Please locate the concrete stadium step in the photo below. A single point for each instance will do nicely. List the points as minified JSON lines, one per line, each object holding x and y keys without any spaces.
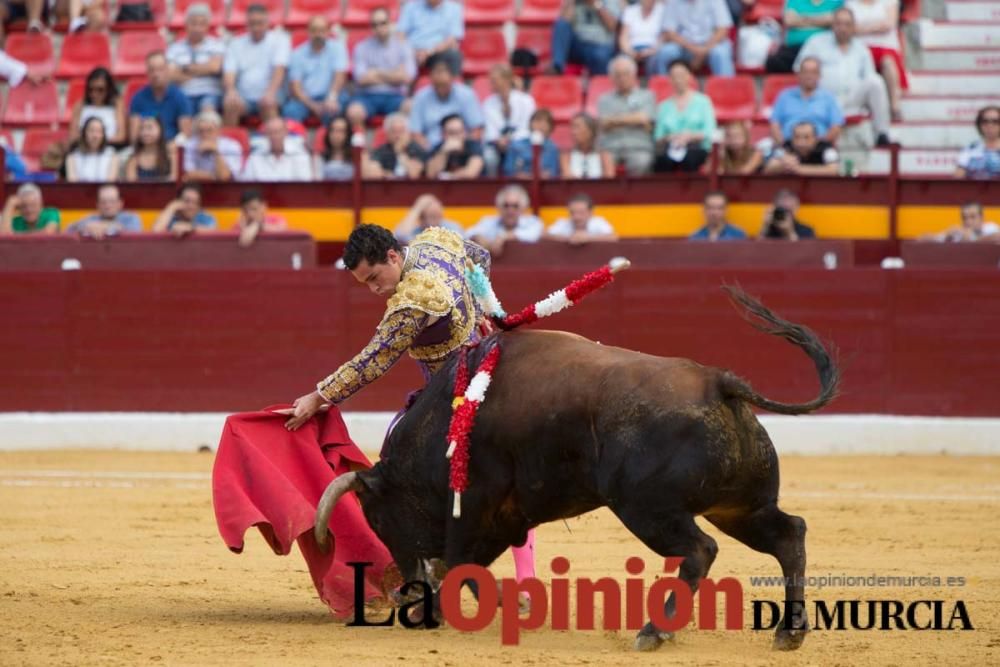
{"x":929,"y":134}
{"x":958,"y":84}
{"x":915,"y":162}
{"x":946,"y":108}
{"x":972,"y":10}
{"x":958,"y":34}
{"x":975,"y":59}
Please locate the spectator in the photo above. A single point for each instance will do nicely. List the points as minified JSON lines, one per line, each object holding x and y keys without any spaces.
{"x":507,"y":113}
{"x":512,"y":223}
{"x":877,"y":26}
{"x":582,"y":226}
{"x":804,"y":155}
{"x":254,"y":218}
{"x":336,"y":162}
{"x":716,"y":227}
{"x":208,"y":156}
{"x":973,"y":227}
{"x":584,"y":34}
{"x":739,"y":156}
{"x":161,"y":99}
{"x":806,"y":103}
{"x":639,"y":35}
{"x":100,"y":100}
{"x":110,"y":219}
{"x":802,"y":20}
{"x":151,"y":159}
{"x":457,"y":156}
{"x":519,"y":158}
{"x":434,"y":28}
{"x":626,"y":117}
{"x":26,"y":213}
{"x":195,"y":62}
{"x":92,"y":159}
{"x":685,"y":124}
{"x":254,"y":70}
{"x":981,"y":159}
{"x":82,"y":15}
{"x":849,"y":72}
{"x":31,"y":10}
{"x":696,"y":31}
{"x":185,"y":214}
{"x":317,"y":72}
{"x":278,"y":164}
{"x":384,"y":67}
{"x":584,"y":160}
{"x":781,"y":220}
{"x":425,"y":213}
{"x":400,"y":156}
{"x":444,"y":97}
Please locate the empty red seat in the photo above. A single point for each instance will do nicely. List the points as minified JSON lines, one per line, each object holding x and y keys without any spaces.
{"x":661,"y":86}
{"x":301,"y":11}
{"x":481,"y":49}
{"x":30,"y":104}
{"x":240,"y":135}
{"x":34,"y":49}
{"x":82,"y":52}
{"x":733,"y":97}
{"x":481,"y":86}
{"x":358,"y":12}
{"x":488,"y":12}
{"x":538,"y":40}
{"x":36,"y":141}
{"x":74,"y":93}
{"x":597,"y":86}
{"x":562,"y":137}
{"x":562,"y":95}
{"x":765,"y":9}
{"x":773,"y":85}
{"x":539,"y":12}
{"x":133,"y":47}
{"x":217,"y":7}
{"x":238,"y":12}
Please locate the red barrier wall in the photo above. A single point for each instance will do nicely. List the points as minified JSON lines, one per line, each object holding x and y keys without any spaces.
{"x":910,"y":342}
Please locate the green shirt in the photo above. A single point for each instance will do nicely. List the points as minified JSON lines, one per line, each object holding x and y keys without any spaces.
{"x":47,"y":216}
{"x":798,"y":36}
{"x":698,"y":116}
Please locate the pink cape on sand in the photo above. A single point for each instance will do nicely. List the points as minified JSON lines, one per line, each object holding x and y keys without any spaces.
{"x":272,"y":478}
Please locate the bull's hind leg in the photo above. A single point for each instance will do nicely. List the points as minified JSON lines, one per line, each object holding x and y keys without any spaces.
{"x":771,"y":531}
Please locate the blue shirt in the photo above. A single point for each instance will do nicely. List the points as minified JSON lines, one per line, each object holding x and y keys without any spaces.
{"x":201,"y":220}
{"x":128,"y":221}
{"x":821,"y":109}
{"x":174,"y":106}
{"x":14,"y":165}
{"x":517,"y":160}
{"x":425,"y":27}
{"x":315,"y":70}
{"x":428,"y":109}
{"x":729,"y":233}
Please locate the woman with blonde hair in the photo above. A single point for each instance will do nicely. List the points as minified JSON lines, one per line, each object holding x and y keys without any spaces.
{"x":738,"y":155}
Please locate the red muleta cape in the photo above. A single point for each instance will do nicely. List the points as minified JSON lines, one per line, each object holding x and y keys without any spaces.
{"x":272,"y":478}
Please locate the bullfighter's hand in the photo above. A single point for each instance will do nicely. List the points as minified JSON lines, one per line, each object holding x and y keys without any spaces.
{"x":305,"y":407}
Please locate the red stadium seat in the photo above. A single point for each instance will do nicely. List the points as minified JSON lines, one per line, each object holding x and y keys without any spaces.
{"x":765,"y":9}
{"x":562,"y":137}
{"x":82,"y":52}
{"x":539,"y":12}
{"x":299,"y":37}
{"x":133,"y":47}
{"x":733,"y":97}
{"x":217,"y":7}
{"x":562,"y":95}
{"x":355,"y":37}
{"x":74,"y":93}
{"x":597,"y":86}
{"x":31,"y":104}
{"x":488,"y":12}
{"x":36,"y":141}
{"x":661,"y":86}
{"x":301,"y":11}
{"x":357,"y":13}
{"x":481,"y":85}
{"x":481,"y":49}
{"x":34,"y":49}
{"x":239,"y":134}
{"x":773,"y":85}
{"x":421,"y":82}
{"x":238,"y":12}
{"x":538,"y":40}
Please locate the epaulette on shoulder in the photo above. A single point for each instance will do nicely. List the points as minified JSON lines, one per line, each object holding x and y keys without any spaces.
{"x":441,"y":237}
{"x":423,"y":291}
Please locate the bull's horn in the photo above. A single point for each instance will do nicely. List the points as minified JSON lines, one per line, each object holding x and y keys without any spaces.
{"x":338,"y":487}
{"x":618,"y":264}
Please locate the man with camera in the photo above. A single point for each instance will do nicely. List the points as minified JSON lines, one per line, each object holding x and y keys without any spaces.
{"x":780,"y":221}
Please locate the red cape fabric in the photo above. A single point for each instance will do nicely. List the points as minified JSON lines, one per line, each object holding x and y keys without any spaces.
{"x":272,"y":478}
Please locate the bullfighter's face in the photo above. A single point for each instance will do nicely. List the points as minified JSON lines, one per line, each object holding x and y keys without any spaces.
{"x":381,"y":277}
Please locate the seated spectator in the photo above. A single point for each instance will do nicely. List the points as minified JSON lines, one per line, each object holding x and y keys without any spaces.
{"x":100,"y":100}
{"x":584,"y":160}
{"x":253,"y":71}
{"x":26,"y":213}
{"x":185,"y":215}
{"x":639,"y":34}
{"x":716,"y":227}
{"x":457,"y":156}
{"x":152,"y":159}
{"x":806,"y":102}
{"x":506,"y":114}
{"x":336,"y":162}
{"x":84,"y":15}
{"x":626,"y":118}
{"x":425,"y":213}
{"x":209,"y":156}
{"x":110,"y":219}
{"x":685,"y":124}
{"x":981,"y":159}
{"x":804,"y":155}
{"x":696,"y":31}
{"x":91,"y":159}
{"x":444,"y":97}
{"x":582,"y":226}
{"x":30,"y":10}
{"x":399,"y":157}
{"x":384,"y":67}
{"x":739,"y":156}
{"x":161,"y":99}
{"x":317,"y":74}
{"x":849,"y":73}
{"x":802,"y":19}
{"x":877,"y":27}
{"x":434,"y":28}
{"x":518,"y":162}
{"x":277,"y":163}
{"x":512,"y":223}
{"x":584,"y":34}
{"x":781,"y":220}
{"x":195,"y":61}
{"x":254,"y":218}
{"x":973,"y":227}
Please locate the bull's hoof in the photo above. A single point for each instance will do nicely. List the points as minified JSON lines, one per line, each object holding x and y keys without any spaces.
{"x":788,"y":640}
{"x":650,"y":642}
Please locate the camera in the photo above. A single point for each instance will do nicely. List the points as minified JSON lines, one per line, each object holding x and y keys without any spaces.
{"x":779,"y":215}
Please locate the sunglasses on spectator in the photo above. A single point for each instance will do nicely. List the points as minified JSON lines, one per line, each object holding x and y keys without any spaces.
{"x":510,"y":204}
{"x":991,"y":121}
{"x":376,"y":24}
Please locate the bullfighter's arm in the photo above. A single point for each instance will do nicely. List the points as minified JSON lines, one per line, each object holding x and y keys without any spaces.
{"x":479,"y":255}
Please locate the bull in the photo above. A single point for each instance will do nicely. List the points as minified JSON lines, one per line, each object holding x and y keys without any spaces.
{"x":569,"y":426}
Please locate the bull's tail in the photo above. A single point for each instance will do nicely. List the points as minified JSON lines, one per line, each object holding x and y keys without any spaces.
{"x":763,"y":319}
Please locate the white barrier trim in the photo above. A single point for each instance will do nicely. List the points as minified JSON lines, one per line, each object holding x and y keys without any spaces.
{"x":822,"y":435}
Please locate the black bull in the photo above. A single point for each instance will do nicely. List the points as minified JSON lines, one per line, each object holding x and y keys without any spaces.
{"x":568,"y":426}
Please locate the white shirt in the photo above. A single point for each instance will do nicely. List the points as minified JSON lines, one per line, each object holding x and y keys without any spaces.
{"x":182,"y":53}
{"x":840,"y":70}
{"x":585,"y":165}
{"x":596,"y":225}
{"x":522,"y":105}
{"x":93,"y":167}
{"x":284,"y":167}
{"x":529,"y":228}
{"x":12,"y":69}
{"x":254,"y":62}
{"x":643,"y":31}
{"x":107,"y":115}
{"x":866,"y":13}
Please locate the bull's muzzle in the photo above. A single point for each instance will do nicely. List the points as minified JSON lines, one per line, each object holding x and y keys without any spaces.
{"x":338,"y":487}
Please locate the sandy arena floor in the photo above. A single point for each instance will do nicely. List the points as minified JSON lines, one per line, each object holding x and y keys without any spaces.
{"x":112,"y":558}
